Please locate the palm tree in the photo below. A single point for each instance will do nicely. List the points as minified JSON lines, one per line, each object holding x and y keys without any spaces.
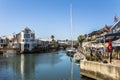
{"x":66,"y":40}
{"x":53,"y":40}
{"x":82,"y":38}
{"x":52,"y":37}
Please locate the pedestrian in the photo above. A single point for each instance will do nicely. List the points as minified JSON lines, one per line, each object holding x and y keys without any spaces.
{"x":109,"y":49}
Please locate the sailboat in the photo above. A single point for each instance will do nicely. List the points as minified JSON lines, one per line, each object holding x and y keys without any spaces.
{"x":71,"y":50}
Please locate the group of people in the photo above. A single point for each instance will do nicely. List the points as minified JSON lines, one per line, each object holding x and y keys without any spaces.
{"x":99,"y":52}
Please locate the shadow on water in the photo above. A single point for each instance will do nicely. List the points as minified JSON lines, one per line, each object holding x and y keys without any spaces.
{"x":44,"y":66}
{"x":86,"y":78}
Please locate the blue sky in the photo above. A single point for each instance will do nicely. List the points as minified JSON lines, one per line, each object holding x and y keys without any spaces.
{"x":52,"y":17}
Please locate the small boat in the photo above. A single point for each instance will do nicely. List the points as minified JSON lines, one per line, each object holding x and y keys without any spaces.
{"x":71,"y":51}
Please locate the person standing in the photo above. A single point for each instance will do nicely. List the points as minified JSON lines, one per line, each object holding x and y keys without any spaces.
{"x":109,"y":49}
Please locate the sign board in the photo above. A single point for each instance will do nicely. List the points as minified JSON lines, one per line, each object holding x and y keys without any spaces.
{"x":114,"y":43}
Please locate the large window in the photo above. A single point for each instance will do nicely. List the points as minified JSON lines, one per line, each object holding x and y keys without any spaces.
{"x":26,"y":35}
{"x":26,"y":46}
{"x":1,"y":40}
{"x":32,"y":35}
{"x":26,"y":40}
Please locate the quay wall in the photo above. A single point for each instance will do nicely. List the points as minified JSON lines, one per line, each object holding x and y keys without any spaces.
{"x":99,"y":71}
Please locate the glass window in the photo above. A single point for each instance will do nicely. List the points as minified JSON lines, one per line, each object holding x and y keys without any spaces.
{"x":1,"y":41}
{"x":26,"y":35}
{"x":32,"y":35}
{"x":26,"y":40}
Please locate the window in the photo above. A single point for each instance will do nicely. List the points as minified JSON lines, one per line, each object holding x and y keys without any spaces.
{"x":23,"y":40}
{"x":26,"y":46}
{"x":32,"y":40}
{"x":1,"y":40}
{"x":26,"y":40}
{"x":32,"y":35}
{"x":27,"y":31}
{"x":26,"y":35}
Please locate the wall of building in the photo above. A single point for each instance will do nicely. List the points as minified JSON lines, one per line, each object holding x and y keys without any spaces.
{"x":25,"y":39}
{"x":99,"y":71}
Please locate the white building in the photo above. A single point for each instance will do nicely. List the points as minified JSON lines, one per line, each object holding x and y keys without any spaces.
{"x":3,"y":42}
{"x":44,"y":42}
{"x":25,"y":39}
{"x":6,"y":42}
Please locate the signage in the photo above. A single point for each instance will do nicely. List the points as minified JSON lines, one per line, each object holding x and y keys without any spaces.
{"x":114,"y":43}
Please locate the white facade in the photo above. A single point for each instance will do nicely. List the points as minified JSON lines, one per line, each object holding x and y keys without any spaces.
{"x":44,"y":42}
{"x":115,"y":28}
{"x":2,"y":42}
{"x":26,"y":39}
{"x":6,"y":42}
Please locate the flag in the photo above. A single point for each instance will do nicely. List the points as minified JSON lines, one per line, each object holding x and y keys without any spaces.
{"x":109,"y":47}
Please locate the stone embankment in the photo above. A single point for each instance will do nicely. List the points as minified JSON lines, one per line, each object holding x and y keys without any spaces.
{"x":79,"y":56}
{"x":100,"y":71}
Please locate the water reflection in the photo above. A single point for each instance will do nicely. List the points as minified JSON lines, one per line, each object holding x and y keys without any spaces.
{"x":45,"y":66}
{"x":27,"y":67}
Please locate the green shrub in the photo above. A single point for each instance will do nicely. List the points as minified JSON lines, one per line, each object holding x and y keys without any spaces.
{"x":93,"y":58}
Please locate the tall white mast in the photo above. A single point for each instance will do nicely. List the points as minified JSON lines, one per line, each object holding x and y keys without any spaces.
{"x":71,"y":37}
{"x":71,"y":22}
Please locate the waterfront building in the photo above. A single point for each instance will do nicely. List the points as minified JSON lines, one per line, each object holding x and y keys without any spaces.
{"x":91,"y":36}
{"x":114,"y":32}
{"x":6,"y":42}
{"x":3,"y":42}
{"x":102,"y":32}
{"x":62,"y":42}
{"x":98,"y":35}
{"x":115,"y":28}
{"x":44,"y":42}
{"x":25,"y":39}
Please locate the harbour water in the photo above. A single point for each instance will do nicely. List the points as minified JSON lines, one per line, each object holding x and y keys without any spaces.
{"x":43,"y":66}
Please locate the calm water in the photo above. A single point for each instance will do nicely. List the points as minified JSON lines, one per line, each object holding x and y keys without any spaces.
{"x":45,"y":66}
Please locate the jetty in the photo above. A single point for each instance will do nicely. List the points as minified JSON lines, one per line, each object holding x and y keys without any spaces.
{"x":9,"y":50}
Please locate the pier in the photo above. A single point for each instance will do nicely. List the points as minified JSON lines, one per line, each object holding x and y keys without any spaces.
{"x":4,"y":50}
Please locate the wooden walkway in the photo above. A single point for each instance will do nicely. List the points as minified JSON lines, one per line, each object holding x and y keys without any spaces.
{"x":5,"y":49}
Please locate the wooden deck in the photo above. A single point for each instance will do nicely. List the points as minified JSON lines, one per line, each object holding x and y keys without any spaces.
{"x":5,"y":49}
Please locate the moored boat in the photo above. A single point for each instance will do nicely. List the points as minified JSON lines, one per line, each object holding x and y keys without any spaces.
{"x":71,"y":51}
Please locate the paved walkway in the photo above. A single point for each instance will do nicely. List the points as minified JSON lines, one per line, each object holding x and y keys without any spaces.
{"x":116,"y":62}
